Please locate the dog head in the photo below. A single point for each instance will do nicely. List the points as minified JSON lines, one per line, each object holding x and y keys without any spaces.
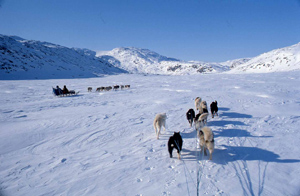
{"x":176,"y":134}
{"x":164,"y":115}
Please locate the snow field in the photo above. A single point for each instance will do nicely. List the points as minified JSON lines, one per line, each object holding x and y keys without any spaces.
{"x":105,"y":144}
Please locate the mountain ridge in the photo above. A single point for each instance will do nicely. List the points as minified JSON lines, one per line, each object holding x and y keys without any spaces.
{"x":30,"y":59}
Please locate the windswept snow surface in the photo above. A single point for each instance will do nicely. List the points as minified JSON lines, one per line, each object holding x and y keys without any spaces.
{"x":104,"y":143}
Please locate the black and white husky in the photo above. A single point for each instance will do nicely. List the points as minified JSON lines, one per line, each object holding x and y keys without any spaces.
{"x":207,"y":141}
{"x":159,"y":121}
{"x":214,"y":108}
{"x":175,"y":141}
{"x":190,"y":116}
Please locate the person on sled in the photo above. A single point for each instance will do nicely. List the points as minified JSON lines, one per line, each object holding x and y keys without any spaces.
{"x":58,"y":90}
{"x":65,"y":90}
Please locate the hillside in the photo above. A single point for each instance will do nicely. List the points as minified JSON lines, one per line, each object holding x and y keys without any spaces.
{"x":283,"y":59}
{"x":136,"y":60}
{"x":28,"y":59}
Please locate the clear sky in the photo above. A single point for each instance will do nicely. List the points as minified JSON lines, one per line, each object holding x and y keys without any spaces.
{"x":204,"y":30}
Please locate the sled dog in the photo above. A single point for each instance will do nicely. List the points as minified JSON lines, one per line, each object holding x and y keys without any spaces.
{"x":200,"y":120}
{"x":207,"y":141}
{"x":159,"y":121}
{"x":190,"y":115}
{"x":214,"y":108}
{"x":197,"y":103}
{"x":203,"y":107}
{"x":175,"y":141}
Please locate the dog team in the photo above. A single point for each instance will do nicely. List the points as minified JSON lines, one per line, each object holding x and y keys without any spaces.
{"x":108,"y":88}
{"x":204,"y":133}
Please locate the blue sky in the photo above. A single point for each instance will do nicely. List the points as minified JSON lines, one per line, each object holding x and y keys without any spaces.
{"x":204,"y":30}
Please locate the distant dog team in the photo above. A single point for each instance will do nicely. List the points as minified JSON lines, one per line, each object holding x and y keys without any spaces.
{"x":108,"y":88}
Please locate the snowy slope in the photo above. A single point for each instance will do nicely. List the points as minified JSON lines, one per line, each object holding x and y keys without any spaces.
{"x":283,"y":59}
{"x":104,"y":143}
{"x":236,"y":62}
{"x":27,"y":59}
{"x":136,"y":60}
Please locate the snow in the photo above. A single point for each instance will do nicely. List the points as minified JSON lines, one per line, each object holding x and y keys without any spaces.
{"x":144,"y":61}
{"x":283,"y":59}
{"x":22,"y":59}
{"x":104,"y":143}
{"x":28,"y":59}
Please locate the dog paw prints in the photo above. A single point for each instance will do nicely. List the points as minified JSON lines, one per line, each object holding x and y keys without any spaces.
{"x":139,"y":180}
{"x":147,"y":158}
{"x":166,"y":193}
{"x":171,"y":167}
{"x":63,"y":160}
{"x":149,"y":168}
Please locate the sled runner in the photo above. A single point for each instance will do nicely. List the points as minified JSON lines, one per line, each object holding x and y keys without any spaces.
{"x":59,"y":93}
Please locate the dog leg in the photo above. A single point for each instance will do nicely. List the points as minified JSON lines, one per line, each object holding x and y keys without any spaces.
{"x":211,"y":150}
{"x":178,"y":155}
{"x":191,"y":122}
{"x":201,"y":148}
{"x":158,"y":132}
{"x":205,"y":154}
{"x":155,"y":128}
{"x":170,"y":150}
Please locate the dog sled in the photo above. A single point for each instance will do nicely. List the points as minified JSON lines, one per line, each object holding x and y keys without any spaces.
{"x":59,"y":93}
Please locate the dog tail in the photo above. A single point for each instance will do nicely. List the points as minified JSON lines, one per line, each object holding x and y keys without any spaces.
{"x":203,"y":116}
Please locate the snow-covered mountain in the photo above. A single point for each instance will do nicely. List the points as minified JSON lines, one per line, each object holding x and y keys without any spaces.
{"x":136,"y":60}
{"x":28,"y":59}
{"x":283,"y":59}
{"x":234,"y":63}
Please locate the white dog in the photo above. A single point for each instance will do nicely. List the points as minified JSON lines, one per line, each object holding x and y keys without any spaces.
{"x":203,"y":107}
{"x":207,"y":141}
{"x":159,"y":121}
{"x":197,"y":103}
{"x":200,"y":121}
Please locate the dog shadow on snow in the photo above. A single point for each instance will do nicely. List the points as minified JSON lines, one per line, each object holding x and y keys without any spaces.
{"x":235,"y":115}
{"x":236,"y":133}
{"x":235,"y":153}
